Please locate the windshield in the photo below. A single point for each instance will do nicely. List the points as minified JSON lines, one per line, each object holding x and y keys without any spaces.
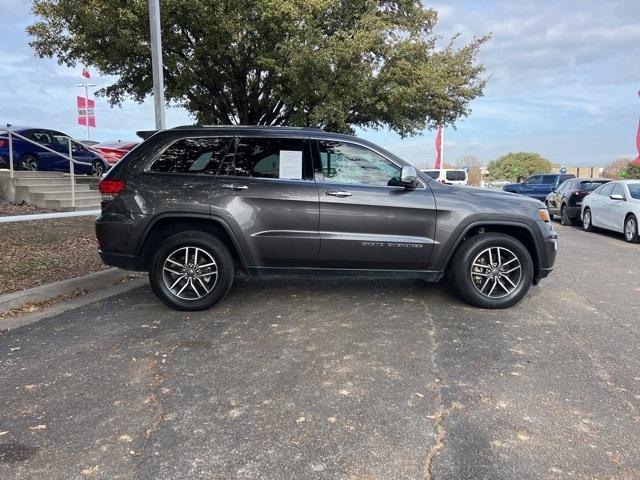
{"x":590,"y":186}
{"x":634,"y":190}
{"x":432,"y":173}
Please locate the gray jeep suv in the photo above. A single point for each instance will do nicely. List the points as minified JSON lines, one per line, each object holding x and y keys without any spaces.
{"x":194,"y":205}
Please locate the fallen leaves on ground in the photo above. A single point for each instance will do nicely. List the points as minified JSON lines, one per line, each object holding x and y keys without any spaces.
{"x":44,"y":251}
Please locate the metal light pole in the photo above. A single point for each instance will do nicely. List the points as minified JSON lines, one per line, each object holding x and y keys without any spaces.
{"x":86,"y":103}
{"x":156,"y":63}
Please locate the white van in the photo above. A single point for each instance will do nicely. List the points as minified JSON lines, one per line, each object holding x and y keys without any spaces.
{"x":449,"y":176}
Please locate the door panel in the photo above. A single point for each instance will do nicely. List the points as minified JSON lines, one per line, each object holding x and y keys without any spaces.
{"x":376,"y":227}
{"x":616,"y":210}
{"x":276,"y":217}
{"x":599,"y":206}
{"x":365,"y":221}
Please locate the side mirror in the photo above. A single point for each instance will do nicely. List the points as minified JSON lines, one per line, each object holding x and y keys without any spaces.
{"x":616,"y":196}
{"x":409,"y":177}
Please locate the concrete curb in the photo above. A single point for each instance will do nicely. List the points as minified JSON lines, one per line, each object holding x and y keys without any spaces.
{"x":90,"y":282}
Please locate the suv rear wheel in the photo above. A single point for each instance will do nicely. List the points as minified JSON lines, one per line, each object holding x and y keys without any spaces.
{"x":191,"y":271}
{"x":492,"y":270}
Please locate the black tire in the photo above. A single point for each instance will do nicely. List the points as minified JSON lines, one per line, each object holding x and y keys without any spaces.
{"x":565,"y":219}
{"x":28,"y":163}
{"x":206,"y":243}
{"x":462,"y":265}
{"x":97,"y":168}
{"x":631,"y":229}
{"x":587,"y":220}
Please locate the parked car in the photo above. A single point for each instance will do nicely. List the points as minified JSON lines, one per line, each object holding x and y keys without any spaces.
{"x":113,"y":151}
{"x":614,"y":206}
{"x":192,"y":205}
{"x":28,"y":156}
{"x":449,"y":176}
{"x":538,"y":186}
{"x":566,"y":200}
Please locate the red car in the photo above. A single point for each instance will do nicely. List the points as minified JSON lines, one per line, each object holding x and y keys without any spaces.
{"x":113,"y":151}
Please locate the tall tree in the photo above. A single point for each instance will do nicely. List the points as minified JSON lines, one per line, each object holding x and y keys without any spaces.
{"x":515,"y":166}
{"x":334,"y":64}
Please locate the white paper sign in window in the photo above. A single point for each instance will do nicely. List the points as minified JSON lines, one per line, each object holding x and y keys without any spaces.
{"x":291,"y":164}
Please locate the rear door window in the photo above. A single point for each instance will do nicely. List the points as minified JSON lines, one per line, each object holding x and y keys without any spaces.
{"x":193,"y":155}
{"x":41,"y":136}
{"x":432,"y":173}
{"x":277,"y":158}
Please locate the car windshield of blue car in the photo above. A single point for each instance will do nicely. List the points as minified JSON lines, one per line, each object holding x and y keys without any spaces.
{"x":634,"y":190}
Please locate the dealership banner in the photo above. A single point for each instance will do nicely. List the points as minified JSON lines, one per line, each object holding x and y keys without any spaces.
{"x":83,"y":114}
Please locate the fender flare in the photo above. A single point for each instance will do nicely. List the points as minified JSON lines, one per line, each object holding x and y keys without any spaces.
{"x":464,"y":229}
{"x":187,"y":215}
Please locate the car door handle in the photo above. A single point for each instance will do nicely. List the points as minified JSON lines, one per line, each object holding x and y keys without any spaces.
{"x":234,"y":186}
{"x":338,"y":193}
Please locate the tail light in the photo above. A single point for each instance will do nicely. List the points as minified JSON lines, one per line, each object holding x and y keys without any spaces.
{"x":110,"y":188}
{"x":2,"y":142}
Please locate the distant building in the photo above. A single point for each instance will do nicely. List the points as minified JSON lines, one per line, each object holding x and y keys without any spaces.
{"x":594,"y":172}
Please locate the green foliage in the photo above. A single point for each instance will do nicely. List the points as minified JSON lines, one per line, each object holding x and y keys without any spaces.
{"x":631,"y":171}
{"x":334,"y":64}
{"x":514,"y":166}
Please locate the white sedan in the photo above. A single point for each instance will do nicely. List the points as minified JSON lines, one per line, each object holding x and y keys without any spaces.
{"x":614,"y":206}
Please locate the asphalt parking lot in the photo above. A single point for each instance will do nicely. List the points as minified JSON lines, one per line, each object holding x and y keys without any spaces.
{"x":337,"y":378}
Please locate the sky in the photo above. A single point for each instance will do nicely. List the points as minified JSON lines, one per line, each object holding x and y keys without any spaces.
{"x":563,"y":81}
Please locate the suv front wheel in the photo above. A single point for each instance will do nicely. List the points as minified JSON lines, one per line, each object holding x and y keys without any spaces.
{"x":191,"y":271}
{"x":492,"y":270}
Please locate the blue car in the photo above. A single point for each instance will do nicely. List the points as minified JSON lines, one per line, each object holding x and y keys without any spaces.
{"x":538,"y":186}
{"x":30,"y":157}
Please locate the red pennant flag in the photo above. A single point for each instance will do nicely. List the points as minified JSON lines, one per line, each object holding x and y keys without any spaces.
{"x":438,"y":164}
{"x":638,"y":138}
{"x":85,"y":73}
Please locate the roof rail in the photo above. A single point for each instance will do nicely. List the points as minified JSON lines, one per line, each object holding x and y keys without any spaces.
{"x":184,"y":127}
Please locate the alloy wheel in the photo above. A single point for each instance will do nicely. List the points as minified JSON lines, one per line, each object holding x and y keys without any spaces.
{"x":190,"y":273}
{"x":30,"y":164}
{"x":630,"y":229}
{"x":496,"y":272}
{"x":586,"y":219}
{"x":97,"y":169}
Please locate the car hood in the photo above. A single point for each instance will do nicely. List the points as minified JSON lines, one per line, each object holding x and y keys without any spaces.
{"x":496,"y":200}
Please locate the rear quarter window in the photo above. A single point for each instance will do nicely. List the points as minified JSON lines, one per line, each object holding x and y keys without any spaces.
{"x":193,"y":155}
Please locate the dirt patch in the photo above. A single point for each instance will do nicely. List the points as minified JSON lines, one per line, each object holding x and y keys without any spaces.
{"x":8,"y":209}
{"x":45,"y":251}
